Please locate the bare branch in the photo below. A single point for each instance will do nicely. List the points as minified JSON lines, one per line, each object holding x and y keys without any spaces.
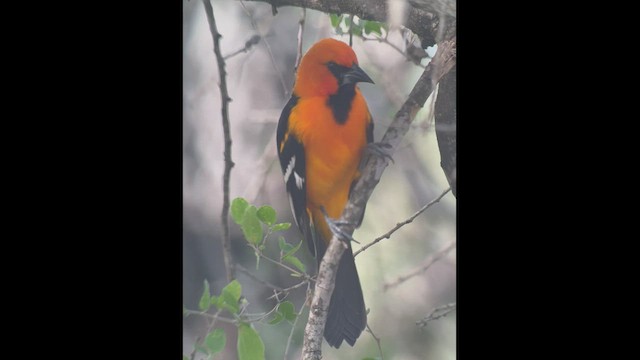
{"x":384,"y":40}
{"x":247,"y":45}
{"x":228,"y":163}
{"x":443,"y":60}
{"x":436,"y":313}
{"x":423,"y":20}
{"x":300,"y":31}
{"x":282,"y":265}
{"x":287,"y":290}
{"x":403,"y":223}
{"x":325,"y":282}
{"x":377,"y":339}
{"x":293,"y":327}
{"x":266,"y":44}
{"x":422,"y":268}
{"x":215,"y":316}
{"x":445,"y":123}
{"x":350,"y":30}
{"x":243,"y":270}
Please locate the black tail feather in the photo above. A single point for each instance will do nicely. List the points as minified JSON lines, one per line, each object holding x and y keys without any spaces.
{"x":347,"y":316}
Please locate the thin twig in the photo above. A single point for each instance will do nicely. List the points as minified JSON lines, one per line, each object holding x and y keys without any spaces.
{"x":298,"y":273}
{"x":350,"y":30}
{"x":403,"y":223}
{"x":293,"y":327}
{"x":287,"y":290}
{"x":247,"y":46}
{"x":377,"y":339}
{"x":211,"y":316}
{"x":266,"y":44}
{"x":422,"y":268}
{"x":300,"y":33}
{"x":384,"y":40}
{"x":243,"y":270}
{"x":195,"y":348}
{"x":436,"y":313}
{"x":228,"y":163}
{"x":261,"y":168}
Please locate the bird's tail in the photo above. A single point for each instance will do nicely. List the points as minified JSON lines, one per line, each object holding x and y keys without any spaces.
{"x":347,"y":316}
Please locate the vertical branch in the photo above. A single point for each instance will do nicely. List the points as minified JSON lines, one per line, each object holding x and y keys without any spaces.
{"x":228,"y":163}
{"x":266,"y":44}
{"x":300,"y":32}
{"x":325,"y":282}
{"x":350,"y":30}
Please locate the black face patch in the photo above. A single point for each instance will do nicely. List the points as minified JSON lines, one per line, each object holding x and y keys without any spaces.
{"x":340,"y":102}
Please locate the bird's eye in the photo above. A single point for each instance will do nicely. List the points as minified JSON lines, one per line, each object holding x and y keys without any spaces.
{"x":337,"y":70}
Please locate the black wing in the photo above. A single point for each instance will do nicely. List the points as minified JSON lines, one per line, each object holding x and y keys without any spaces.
{"x":292,"y":162}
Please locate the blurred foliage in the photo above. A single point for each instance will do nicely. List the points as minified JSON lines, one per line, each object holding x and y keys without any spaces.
{"x":249,"y":345}
{"x":359,"y":27}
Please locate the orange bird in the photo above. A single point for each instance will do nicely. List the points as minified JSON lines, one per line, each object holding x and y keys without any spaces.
{"x":322,"y":134}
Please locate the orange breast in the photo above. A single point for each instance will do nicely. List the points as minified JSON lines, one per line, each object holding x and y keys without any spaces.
{"x":333,"y":151}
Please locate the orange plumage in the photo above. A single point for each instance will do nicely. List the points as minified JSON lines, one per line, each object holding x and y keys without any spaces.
{"x":322,"y":134}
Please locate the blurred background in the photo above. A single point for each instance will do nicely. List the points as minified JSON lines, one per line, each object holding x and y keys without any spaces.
{"x":260,"y":82}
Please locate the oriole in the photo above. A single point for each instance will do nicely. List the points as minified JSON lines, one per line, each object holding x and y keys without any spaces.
{"x":321,"y":136}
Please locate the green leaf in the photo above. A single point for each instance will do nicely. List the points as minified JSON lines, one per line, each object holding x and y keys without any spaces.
{"x":295,"y":262}
{"x":281,"y":226}
{"x":251,"y":227}
{"x":214,"y":300}
{"x":238,"y":207}
{"x":284,"y":246}
{"x":277,"y":318}
{"x":267,"y":214}
{"x":250,"y":345}
{"x":292,"y":250}
{"x":202,"y":349}
{"x":373,"y":26}
{"x":335,"y":19}
{"x":185,"y":357}
{"x":230,"y":296}
{"x":205,"y":299}
{"x":215,"y":341}
{"x":287,"y":310}
{"x":347,"y":21}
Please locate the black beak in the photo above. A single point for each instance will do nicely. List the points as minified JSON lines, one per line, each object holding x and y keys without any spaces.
{"x":355,"y":75}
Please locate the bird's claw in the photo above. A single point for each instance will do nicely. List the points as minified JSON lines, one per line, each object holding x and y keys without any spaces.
{"x":380,"y":149}
{"x":334,"y":226}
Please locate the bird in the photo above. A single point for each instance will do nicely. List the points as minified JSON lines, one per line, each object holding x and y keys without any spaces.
{"x":322,"y":136}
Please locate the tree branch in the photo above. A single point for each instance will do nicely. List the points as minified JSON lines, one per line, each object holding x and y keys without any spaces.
{"x":228,"y":163}
{"x":325,"y":282}
{"x":300,"y":33}
{"x":293,"y":327}
{"x":443,"y":60}
{"x":266,"y":44}
{"x":445,"y":115}
{"x":403,"y":223}
{"x":377,"y":339}
{"x":243,"y":270}
{"x":422,"y":21}
{"x":436,"y":313}
{"x":422,"y":268}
